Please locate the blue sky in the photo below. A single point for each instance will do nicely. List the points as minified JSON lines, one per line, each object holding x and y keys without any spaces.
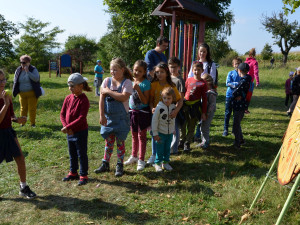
{"x":88,"y":17}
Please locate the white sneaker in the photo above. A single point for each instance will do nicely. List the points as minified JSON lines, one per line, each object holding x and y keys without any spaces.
{"x":140,"y":165}
{"x":151,"y":159}
{"x":167,"y":167}
{"x":158,"y":168}
{"x":131,"y":160}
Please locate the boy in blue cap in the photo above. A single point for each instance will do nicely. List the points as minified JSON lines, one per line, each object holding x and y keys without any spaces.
{"x":98,"y":77}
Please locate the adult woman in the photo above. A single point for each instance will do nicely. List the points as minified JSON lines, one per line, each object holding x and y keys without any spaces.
{"x":27,"y":85}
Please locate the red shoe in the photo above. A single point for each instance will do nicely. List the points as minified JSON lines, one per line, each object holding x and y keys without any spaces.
{"x":83,"y":180}
{"x":71,"y":176}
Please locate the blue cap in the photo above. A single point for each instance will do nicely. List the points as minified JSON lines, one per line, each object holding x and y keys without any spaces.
{"x":98,"y":60}
{"x":76,"y":78}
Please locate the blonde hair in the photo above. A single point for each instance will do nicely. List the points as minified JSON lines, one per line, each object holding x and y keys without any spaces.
{"x":122,"y":65}
{"x":208,"y":78}
{"x":27,"y":58}
{"x":252,"y":52}
{"x":169,"y":92}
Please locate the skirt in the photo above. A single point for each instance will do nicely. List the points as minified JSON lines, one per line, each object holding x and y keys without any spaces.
{"x":8,"y":147}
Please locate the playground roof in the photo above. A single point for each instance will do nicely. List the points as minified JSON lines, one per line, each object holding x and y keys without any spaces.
{"x":185,"y":9}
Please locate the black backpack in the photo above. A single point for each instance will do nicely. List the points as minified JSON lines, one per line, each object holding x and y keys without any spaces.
{"x":217,"y":73}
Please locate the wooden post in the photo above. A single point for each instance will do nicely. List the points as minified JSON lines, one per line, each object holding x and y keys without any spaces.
{"x":194,"y":43}
{"x":190,"y":43}
{"x":59,"y":70}
{"x":162,"y":26}
{"x":185,"y":52}
{"x":201,"y":34}
{"x":172,"y":33}
{"x":176,"y":42}
{"x":49,"y":69}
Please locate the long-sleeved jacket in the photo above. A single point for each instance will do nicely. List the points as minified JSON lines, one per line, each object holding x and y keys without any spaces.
{"x":296,"y":85}
{"x":232,"y":81}
{"x":253,"y":72}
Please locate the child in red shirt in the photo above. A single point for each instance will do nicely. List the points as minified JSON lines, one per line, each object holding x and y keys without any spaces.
{"x":73,"y":117}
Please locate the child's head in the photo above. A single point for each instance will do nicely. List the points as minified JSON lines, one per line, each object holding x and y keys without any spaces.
{"x":197,"y":69}
{"x":291,"y":74}
{"x":236,"y":62}
{"x":252,"y":52}
{"x":204,"y":53}
{"x":77,"y":83}
{"x":168,"y":96}
{"x":209,"y":80}
{"x":99,"y":62}
{"x":162,"y":43}
{"x":162,"y":73}
{"x":118,"y":69}
{"x":140,"y":69}
{"x":2,"y":80}
{"x":174,"y":66}
{"x":243,"y":69}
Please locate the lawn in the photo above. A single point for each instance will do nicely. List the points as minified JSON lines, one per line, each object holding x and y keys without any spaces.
{"x":213,"y":186}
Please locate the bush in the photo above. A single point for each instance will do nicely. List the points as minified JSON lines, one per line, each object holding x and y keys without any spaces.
{"x":227,"y":60}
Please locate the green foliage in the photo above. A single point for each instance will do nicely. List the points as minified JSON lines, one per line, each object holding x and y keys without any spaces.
{"x":286,"y":35}
{"x":81,"y":48}
{"x":290,"y":6}
{"x":266,"y":53}
{"x":7,"y":31}
{"x":37,"y":42}
{"x":227,"y":59}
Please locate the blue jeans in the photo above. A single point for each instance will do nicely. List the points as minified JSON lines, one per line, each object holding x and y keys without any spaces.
{"x":198,"y":133}
{"x":163,"y":148}
{"x":237,"y":129}
{"x":78,"y":149}
{"x":228,"y":111}
{"x":176,"y":137}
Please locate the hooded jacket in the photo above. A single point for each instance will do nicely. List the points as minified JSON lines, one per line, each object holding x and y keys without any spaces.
{"x":161,"y":120}
{"x":253,"y":72}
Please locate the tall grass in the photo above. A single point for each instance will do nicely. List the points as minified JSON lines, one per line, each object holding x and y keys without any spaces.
{"x":201,"y":187}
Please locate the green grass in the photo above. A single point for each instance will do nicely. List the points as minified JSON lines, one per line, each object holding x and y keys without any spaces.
{"x":202,"y":185}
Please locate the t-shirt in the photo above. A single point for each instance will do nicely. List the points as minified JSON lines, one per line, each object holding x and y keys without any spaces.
{"x":152,"y":58}
{"x":179,"y":82}
{"x":6,"y":122}
{"x":98,"y":69}
{"x":134,"y":100}
{"x":127,"y":87}
{"x":212,"y":72}
{"x":155,"y":92}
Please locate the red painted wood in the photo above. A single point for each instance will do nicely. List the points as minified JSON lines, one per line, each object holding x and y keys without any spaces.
{"x":185,"y":52}
{"x":162,"y":23}
{"x":176,"y":41}
{"x":172,"y":34}
{"x":201,"y":34}
{"x":190,"y":46}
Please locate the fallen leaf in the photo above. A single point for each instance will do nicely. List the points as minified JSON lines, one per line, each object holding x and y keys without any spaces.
{"x":244,"y":218}
{"x":98,"y":185}
{"x":217,"y":194}
{"x":146,"y":211}
{"x":90,"y":222}
{"x":185,"y":218}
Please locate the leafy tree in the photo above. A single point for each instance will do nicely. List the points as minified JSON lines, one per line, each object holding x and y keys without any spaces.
{"x":267,"y":52}
{"x":138,"y":28}
{"x":37,"y":42}
{"x":7,"y":31}
{"x":81,"y":48}
{"x":286,"y":35}
{"x":294,"y":4}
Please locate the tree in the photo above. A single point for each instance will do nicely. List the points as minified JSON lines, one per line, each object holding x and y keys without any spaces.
{"x":267,"y":52}
{"x":37,"y":42}
{"x":7,"y":31}
{"x":294,"y":4}
{"x":138,"y":28}
{"x":81,"y":48}
{"x":286,"y":35}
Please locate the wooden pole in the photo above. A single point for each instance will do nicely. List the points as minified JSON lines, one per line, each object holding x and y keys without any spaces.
{"x":201,"y":34}
{"x":176,"y":42}
{"x":195,"y":43}
{"x":185,"y":52}
{"x":59,"y":73}
{"x":172,"y":33}
{"x":49,"y":69}
{"x":162,"y":26}
{"x":190,"y":43}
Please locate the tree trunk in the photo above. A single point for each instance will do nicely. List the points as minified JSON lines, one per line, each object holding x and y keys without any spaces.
{"x":285,"y":57}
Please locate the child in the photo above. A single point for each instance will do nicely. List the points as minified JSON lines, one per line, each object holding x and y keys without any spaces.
{"x":161,"y":79}
{"x":239,"y":103}
{"x":195,"y":102}
{"x":208,"y":67}
{"x":295,"y":91}
{"x":140,"y":114}
{"x":98,"y":77}
{"x":232,"y":81}
{"x":114,"y":116}
{"x":174,"y":67}
{"x":73,"y":118}
{"x":211,"y":109}
{"x":288,"y":89}
{"x":163,"y":126}
{"x":10,"y":148}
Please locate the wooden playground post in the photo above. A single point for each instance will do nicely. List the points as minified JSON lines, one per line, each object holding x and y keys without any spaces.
{"x":49,"y":69}
{"x":172,"y":33}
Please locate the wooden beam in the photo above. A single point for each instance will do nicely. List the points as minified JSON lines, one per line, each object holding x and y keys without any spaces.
{"x":201,"y":33}
{"x":162,"y":26}
{"x":172,"y":33}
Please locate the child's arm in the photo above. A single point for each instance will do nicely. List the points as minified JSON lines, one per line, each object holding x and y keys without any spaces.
{"x":154,"y":125}
{"x":102,"y":120}
{"x":151,"y":99}
{"x":179,"y":104}
{"x":121,"y":97}
{"x":4,"y":108}
{"x":144,"y":97}
{"x":204,"y":102}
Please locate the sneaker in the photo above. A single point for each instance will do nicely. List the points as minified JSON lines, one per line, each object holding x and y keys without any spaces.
{"x":151,"y":159}
{"x":119,"y":170}
{"x":166,"y":166}
{"x":103,"y":168}
{"x":83,"y":180}
{"x":131,"y":160}
{"x":203,"y":145}
{"x":242,"y":142}
{"x":181,"y":144}
{"x":158,"y":168}
{"x":140,"y":165}
{"x":186,"y":147}
{"x":71,"y":176}
{"x":237,"y":146}
{"x":33,"y":126}
{"x":26,"y":192}
{"x":225,"y":133}
{"x":197,"y":139}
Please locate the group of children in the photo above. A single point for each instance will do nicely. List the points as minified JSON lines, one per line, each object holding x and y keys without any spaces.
{"x":129,"y":101}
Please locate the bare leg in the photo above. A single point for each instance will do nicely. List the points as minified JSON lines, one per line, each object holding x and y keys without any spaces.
{"x":20,"y":160}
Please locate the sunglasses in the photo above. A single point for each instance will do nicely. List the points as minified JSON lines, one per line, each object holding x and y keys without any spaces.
{"x":23,"y":63}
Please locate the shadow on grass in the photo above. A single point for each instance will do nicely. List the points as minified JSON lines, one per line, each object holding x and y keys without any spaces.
{"x":53,"y":85}
{"x":94,"y":208}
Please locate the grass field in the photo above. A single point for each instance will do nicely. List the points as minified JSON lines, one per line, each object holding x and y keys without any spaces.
{"x":215,"y":186}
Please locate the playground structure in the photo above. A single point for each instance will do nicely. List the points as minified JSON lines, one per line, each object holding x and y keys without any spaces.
{"x":188,"y":20}
{"x":65,"y":61}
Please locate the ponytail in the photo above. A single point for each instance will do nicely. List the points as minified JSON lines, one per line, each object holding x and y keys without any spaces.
{"x":86,"y":87}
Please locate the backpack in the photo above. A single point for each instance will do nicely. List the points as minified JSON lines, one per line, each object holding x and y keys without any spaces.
{"x":217,"y":73}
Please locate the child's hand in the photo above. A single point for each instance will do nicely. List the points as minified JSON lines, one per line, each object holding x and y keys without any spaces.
{"x":70,"y":132}
{"x":64,"y":130}
{"x":136,"y":86}
{"x":156,"y":138}
{"x":153,"y":110}
{"x":203,"y":116}
{"x":6,"y":98}
{"x":173,"y":114}
{"x":105,"y":91}
{"x":238,"y":98}
{"x":103,"y":120}
{"x":21,"y":120}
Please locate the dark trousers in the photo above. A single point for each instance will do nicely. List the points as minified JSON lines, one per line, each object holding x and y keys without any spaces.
{"x":228,"y":111}
{"x":77,"y":144}
{"x":236,"y":129}
{"x":287,"y":98}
